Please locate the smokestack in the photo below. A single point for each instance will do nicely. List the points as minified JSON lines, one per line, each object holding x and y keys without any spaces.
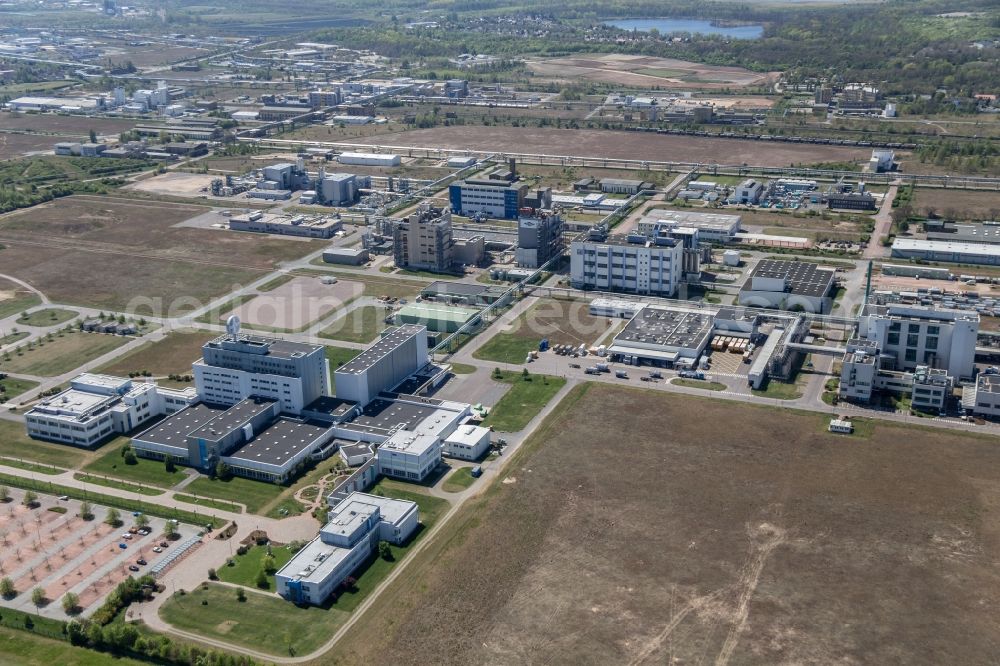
{"x":513,"y":169}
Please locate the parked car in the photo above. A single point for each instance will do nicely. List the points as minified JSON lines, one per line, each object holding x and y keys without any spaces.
{"x":126,"y":536}
{"x":123,"y":545}
{"x":132,"y":567}
{"x":141,"y":562}
{"x":164,"y":544}
{"x":621,"y":374}
{"x":157,"y":549}
{"x":574,"y":365}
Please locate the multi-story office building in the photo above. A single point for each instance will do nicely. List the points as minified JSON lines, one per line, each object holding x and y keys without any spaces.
{"x":494,"y":197}
{"x":538,"y":239}
{"x":236,"y":367}
{"x":634,"y":263}
{"x":356,"y":525}
{"x":914,"y":335}
{"x":97,"y":407}
{"x":424,"y":240}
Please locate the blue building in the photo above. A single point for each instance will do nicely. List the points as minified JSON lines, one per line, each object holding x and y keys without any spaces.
{"x":496,"y":198}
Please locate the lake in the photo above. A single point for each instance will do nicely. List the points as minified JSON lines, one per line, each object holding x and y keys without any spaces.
{"x":666,"y":25}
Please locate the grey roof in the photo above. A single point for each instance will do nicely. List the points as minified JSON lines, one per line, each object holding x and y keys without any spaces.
{"x":275,"y":347}
{"x":453,"y":288}
{"x":668,"y":328}
{"x":803,"y":278}
{"x":232,"y":419}
{"x":967,"y":233}
{"x":383,"y":414}
{"x":173,"y":430}
{"x":380,"y":349}
{"x":330,"y":406}
{"x":280,"y":442}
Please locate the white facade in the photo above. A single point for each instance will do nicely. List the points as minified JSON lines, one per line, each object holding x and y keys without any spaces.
{"x":712,"y":227}
{"x":618,"y":265}
{"x":96,"y":407}
{"x":948,"y":251}
{"x":983,"y":399}
{"x":369,"y":159}
{"x":749,"y":191}
{"x":398,"y":354}
{"x":468,"y":442}
{"x":412,"y":454}
{"x":348,"y":540}
{"x":233,"y":368}
{"x":915,"y":335}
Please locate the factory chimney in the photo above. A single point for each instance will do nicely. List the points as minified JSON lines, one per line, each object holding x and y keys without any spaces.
{"x":513,"y":168}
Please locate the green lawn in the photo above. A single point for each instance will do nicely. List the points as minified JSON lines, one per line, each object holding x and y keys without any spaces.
{"x":262,"y":622}
{"x":109,"y":482}
{"x":523,"y":401}
{"x":31,"y":466}
{"x":61,"y":354}
{"x":338,"y":356}
{"x":47,"y":317}
{"x":254,"y":494}
{"x":11,"y":338}
{"x":431,"y":508}
{"x":10,"y":387}
{"x":458,"y":480}
{"x":359,"y":325}
{"x":699,"y":384}
{"x":285,"y":508}
{"x":245,"y":567}
{"x":145,"y":471}
{"x":506,"y":348}
{"x":462,"y":368}
{"x":19,"y":299}
{"x":779,"y":390}
{"x":209,"y":503}
{"x":20,"y":647}
{"x":15,"y":443}
{"x":272,"y":284}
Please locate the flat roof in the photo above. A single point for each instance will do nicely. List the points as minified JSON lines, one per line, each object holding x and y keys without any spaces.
{"x":280,"y":442}
{"x":802,"y":278}
{"x":173,"y":430}
{"x":667,"y":327}
{"x":233,"y":418}
{"x":966,"y":233}
{"x":438,"y":311}
{"x":916,"y":245}
{"x":73,"y":404}
{"x":690,"y":218}
{"x":383,"y":414}
{"x":389,"y":341}
{"x":330,"y":405}
{"x":988,"y":383}
{"x":452,"y":287}
{"x":274,"y":346}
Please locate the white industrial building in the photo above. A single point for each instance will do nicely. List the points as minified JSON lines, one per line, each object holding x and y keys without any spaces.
{"x":234,"y":367}
{"x":788,"y":285}
{"x":862,"y":375}
{"x":97,"y":407}
{"x":712,"y":227}
{"x":369,"y":159}
{"x":305,"y":226}
{"x":634,"y":264}
{"x":983,"y":397}
{"x":399,"y":353}
{"x":749,"y":191}
{"x":349,"y":539}
{"x":948,"y":251}
{"x":915,"y":335}
{"x":468,"y":442}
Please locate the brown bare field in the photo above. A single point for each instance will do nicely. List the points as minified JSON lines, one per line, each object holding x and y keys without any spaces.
{"x":70,"y":126}
{"x":105,"y":252}
{"x":171,"y":356}
{"x":156,"y":54}
{"x":17,"y":145}
{"x":957,"y":204}
{"x":645,"y":71}
{"x":643,"y":528}
{"x":620,"y":145}
{"x":296,"y":304}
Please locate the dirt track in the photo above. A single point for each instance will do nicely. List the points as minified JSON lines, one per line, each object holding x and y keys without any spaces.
{"x":621,"y":145}
{"x":643,"y":528}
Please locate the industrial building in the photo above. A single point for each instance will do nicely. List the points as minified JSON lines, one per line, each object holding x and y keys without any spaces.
{"x":788,"y":285}
{"x":963,"y":232}
{"x":237,"y":366}
{"x":468,"y":442}
{"x":633,"y":263}
{"x":749,"y":192}
{"x":349,"y":539}
{"x":398,"y":354}
{"x":624,"y":186}
{"x":424,"y":241}
{"x":96,"y":408}
{"x":862,"y":374}
{"x":662,"y":336}
{"x":539,"y":238}
{"x":915,"y":335}
{"x":467,"y":293}
{"x":349,"y":256}
{"x":437,"y":317}
{"x":712,"y":227}
{"x":983,"y":397}
{"x":306,"y":226}
{"x":498,"y":195}
{"x":369,"y":159}
{"x":851,"y":201}
{"x":987,"y":254}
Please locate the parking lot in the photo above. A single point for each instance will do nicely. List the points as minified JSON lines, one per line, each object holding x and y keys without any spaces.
{"x":49,"y":546}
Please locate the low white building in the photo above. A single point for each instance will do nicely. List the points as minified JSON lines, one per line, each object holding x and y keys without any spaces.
{"x":749,"y":191}
{"x":983,"y":398}
{"x":349,"y":539}
{"x":788,"y":285}
{"x":468,"y":442}
{"x":369,"y":159}
{"x":97,"y":407}
{"x":712,"y":227}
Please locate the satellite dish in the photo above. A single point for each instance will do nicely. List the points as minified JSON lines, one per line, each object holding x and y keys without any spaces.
{"x":233,"y":326}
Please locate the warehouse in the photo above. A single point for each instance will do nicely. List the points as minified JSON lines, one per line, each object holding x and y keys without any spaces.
{"x":788,"y":285}
{"x":369,"y":159}
{"x":349,"y":256}
{"x":969,"y":232}
{"x":851,"y":201}
{"x":305,"y":226}
{"x":399,"y":353}
{"x":437,"y":317}
{"x":624,"y":186}
{"x":463,"y":293}
{"x":948,"y":251}
{"x":662,"y":336}
{"x":712,"y":227}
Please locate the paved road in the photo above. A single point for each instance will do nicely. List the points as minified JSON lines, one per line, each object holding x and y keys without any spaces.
{"x":883,"y":223}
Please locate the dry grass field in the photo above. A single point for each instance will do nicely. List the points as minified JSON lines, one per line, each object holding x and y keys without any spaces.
{"x":957,"y":204}
{"x":66,"y":125}
{"x":17,"y":145}
{"x":105,"y":252}
{"x":171,"y":356}
{"x":645,"y":71}
{"x":642,"y":528}
{"x":620,"y":145}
